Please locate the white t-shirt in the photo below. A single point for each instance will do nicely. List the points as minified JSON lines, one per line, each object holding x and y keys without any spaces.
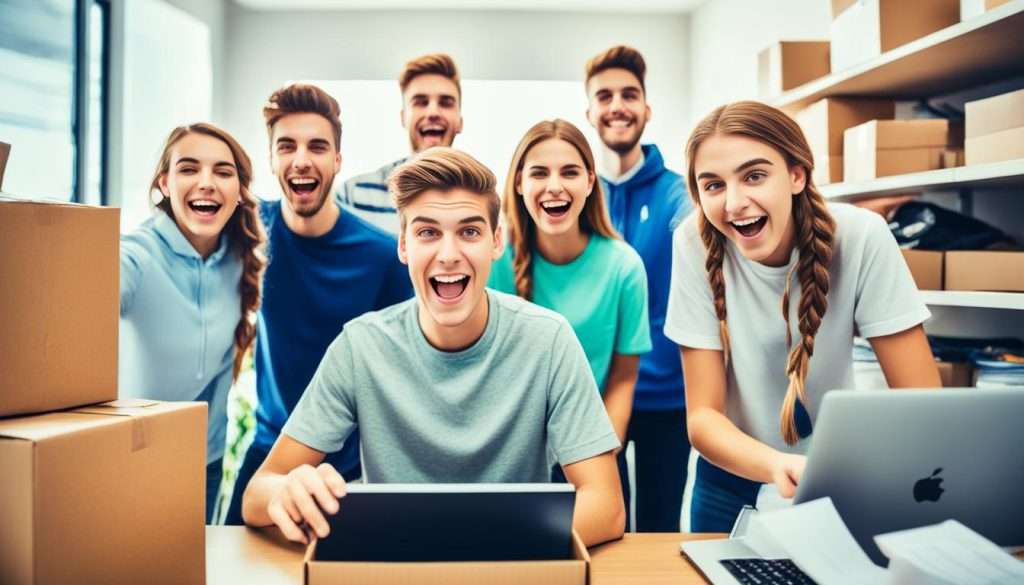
{"x":871,"y":293}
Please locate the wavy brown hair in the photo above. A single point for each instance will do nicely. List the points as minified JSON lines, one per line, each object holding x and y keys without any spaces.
{"x":814,"y":229}
{"x":244,"y":230}
{"x":520,"y":229}
{"x":433,"y":64}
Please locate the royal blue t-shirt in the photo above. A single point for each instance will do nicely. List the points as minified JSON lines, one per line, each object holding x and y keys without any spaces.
{"x":311,"y":289}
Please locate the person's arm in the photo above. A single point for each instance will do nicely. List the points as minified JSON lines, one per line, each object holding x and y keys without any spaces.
{"x":131,"y":257}
{"x":906,"y":359}
{"x":599,"y":515}
{"x":292,"y":490}
{"x":618,"y":393}
{"x":719,"y":440}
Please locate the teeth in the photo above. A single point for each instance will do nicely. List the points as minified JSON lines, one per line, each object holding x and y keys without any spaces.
{"x":618,"y":123}
{"x":306,"y":181}
{"x":554,"y":204}
{"x":204,"y":203}
{"x":450,"y":278}
{"x":743,"y":222}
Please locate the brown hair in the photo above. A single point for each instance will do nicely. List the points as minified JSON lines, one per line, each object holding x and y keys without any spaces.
{"x":444,"y":169}
{"x":301,"y":98}
{"x":619,"y":57}
{"x":244,"y":231}
{"x":815,"y":236}
{"x":522,"y":232}
{"x":436,"y":64}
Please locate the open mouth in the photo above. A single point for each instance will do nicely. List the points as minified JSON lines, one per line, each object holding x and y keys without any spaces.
{"x":303,"y":185}
{"x":555,"y":208}
{"x":619,"y":124}
{"x":204,"y":207}
{"x":748,"y":228}
{"x":449,"y":286}
{"x":435,"y":133}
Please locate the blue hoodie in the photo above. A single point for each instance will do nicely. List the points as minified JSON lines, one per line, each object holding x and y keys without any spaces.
{"x":644,"y":210}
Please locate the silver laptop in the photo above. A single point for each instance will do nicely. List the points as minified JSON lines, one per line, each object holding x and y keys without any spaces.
{"x":897,"y":459}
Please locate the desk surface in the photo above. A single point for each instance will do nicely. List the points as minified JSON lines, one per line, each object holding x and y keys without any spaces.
{"x":264,"y":557}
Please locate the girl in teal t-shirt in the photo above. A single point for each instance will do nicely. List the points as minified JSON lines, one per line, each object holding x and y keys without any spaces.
{"x":564,"y":254}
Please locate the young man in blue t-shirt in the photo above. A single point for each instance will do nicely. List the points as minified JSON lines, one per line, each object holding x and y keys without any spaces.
{"x":645,"y":199}
{"x":326,"y":268}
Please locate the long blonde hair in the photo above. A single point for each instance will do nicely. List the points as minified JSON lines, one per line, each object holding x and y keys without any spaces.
{"x":244,"y":230}
{"x":815,"y":237}
{"x":520,"y":229}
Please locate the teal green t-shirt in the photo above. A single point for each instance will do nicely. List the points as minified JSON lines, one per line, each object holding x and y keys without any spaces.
{"x":602,"y":293}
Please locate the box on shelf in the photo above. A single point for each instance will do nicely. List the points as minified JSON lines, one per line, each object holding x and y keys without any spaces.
{"x":991,"y":270}
{"x":58,"y":304}
{"x":573,"y":571}
{"x":788,"y":64}
{"x":827,"y":169}
{"x":926,"y":267}
{"x":824,"y":121}
{"x":995,"y":128}
{"x":881,"y":148}
{"x":864,"y":29}
{"x":956,"y":374}
{"x":972,"y":8}
{"x":111,"y":493}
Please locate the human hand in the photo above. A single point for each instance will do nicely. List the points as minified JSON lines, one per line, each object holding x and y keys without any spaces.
{"x":786,"y":472}
{"x":298,"y":506}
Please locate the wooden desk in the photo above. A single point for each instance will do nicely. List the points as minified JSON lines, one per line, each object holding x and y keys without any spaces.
{"x":645,"y":558}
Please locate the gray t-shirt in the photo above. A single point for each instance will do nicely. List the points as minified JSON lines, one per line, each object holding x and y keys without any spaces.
{"x":489,"y":413}
{"x":871,"y":293}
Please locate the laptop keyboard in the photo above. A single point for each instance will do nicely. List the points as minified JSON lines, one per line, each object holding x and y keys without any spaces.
{"x":766,"y":572}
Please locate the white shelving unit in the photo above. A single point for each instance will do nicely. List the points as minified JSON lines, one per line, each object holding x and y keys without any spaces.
{"x":976,"y":299}
{"x":992,"y":175}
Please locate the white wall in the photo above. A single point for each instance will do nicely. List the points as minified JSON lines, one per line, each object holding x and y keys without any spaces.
{"x":270,"y":48}
{"x":726,"y":36}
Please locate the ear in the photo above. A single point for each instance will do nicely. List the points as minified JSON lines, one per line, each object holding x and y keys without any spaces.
{"x":403,"y":255}
{"x":458,"y":127}
{"x":647,"y":109}
{"x":337,"y":161}
{"x":591,"y":179}
{"x":162,"y":183}
{"x":401,"y":116}
{"x":797,"y":179}
{"x":499,"y":243}
{"x":590,"y":118}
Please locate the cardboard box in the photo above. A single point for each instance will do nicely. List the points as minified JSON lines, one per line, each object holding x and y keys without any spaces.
{"x":58,"y":304}
{"x":573,"y":571}
{"x":994,"y":114}
{"x":864,"y":29}
{"x":824,"y":121}
{"x":827,"y":169}
{"x":788,"y":64}
{"x":956,"y":374}
{"x":972,"y":8}
{"x":111,"y":493}
{"x":5,"y":152}
{"x":926,"y":266}
{"x":985,"y":270}
{"x":881,"y":148}
{"x":995,"y":147}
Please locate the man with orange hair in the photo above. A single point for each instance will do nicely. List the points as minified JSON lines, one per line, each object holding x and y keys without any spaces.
{"x":431,"y":114}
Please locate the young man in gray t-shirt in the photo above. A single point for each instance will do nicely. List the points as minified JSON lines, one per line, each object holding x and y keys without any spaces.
{"x":460,"y":384}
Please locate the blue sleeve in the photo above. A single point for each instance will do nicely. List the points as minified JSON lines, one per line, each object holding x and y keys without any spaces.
{"x":681,"y":199}
{"x":133,"y":255}
{"x":633,"y":334}
{"x":396,"y":287}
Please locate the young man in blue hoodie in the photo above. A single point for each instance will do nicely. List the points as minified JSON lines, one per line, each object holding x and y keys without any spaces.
{"x":645,"y":200}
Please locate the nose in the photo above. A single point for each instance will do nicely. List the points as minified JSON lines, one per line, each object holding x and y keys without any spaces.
{"x":433,"y":108}
{"x":616,"y":104}
{"x":300,"y":161}
{"x":735,"y":201}
{"x":206,"y":180}
{"x":448,"y":253}
{"x":554,"y":184}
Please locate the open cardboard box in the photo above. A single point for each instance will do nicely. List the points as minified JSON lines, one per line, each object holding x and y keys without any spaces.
{"x":574,"y":571}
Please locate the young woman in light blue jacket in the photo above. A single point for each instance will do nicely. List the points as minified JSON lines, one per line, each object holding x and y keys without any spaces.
{"x":190,"y":282}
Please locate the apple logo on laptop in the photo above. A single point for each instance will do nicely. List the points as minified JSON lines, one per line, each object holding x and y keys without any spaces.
{"x":929,"y":488}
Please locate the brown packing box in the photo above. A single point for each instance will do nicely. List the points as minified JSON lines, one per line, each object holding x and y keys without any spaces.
{"x":824,"y":121}
{"x":573,"y":571}
{"x":788,"y":64}
{"x":5,"y":151}
{"x":864,"y":29}
{"x":112,"y":493}
{"x":926,"y":267}
{"x":956,"y":374}
{"x":995,"y":147}
{"x":985,"y":270}
{"x":994,"y":114}
{"x":58,"y":304}
{"x":827,"y":169}
{"x":881,"y":148}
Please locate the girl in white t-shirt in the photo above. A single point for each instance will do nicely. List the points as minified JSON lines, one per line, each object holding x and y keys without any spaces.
{"x":764,"y":236}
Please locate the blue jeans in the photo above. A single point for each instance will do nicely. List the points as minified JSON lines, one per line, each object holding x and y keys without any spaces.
{"x":214,"y":473}
{"x":718,"y":497}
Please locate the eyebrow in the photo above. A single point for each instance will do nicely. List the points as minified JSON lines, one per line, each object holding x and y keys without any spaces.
{"x":432,"y":221}
{"x":545,"y":167}
{"x":749,"y":163}
{"x":190,"y":160}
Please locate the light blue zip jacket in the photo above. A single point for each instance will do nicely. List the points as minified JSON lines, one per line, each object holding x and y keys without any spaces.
{"x":178,"y":319}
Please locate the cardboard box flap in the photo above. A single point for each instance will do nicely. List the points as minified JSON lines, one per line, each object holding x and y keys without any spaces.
{"x":43,"y":201}
{"x":137,"y":409}
{"x":44,"y":426}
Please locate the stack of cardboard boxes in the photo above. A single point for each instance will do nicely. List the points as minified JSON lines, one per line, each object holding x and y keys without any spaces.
{"x":91,"y":491}
{"x":824,"y":123}
{"x":882,"y":148}
{"x":995,"y":128}
{"x":864,"y":29}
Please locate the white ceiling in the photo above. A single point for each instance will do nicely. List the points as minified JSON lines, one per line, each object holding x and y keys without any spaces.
{"x":614,"y":6}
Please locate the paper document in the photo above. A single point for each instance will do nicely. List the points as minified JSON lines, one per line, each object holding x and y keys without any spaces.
{"x":814,"y":537}
{"x":769,"y":500}
{"x":947,"y":554}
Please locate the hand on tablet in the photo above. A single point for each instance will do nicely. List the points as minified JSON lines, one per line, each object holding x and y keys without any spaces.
{"x":299,"y":505}
{"x":786,"y":471}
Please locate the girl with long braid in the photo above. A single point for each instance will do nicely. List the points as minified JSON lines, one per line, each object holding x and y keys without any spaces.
{"x":769,"y":287}
{"x":190,"y":282}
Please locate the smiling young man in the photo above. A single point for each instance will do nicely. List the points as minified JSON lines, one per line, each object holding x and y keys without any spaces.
{"x":461,"y":384}
{"x":644,"y":200}
{"x":431,"y":114}
{"x":326,"y":268}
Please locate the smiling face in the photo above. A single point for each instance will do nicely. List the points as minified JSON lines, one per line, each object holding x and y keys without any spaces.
{"x":746,"y":191}
{"x":431,"y":111}
{"x":618,"y":108}
{"x":202,"y":186}
{"x":305,"y":160}
{"x":449,"y":246}
{"x":555,"y":184}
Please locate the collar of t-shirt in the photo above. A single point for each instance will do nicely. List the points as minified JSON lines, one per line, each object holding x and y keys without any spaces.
{"x":169,"y":232}
{"x":628,"y":174}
